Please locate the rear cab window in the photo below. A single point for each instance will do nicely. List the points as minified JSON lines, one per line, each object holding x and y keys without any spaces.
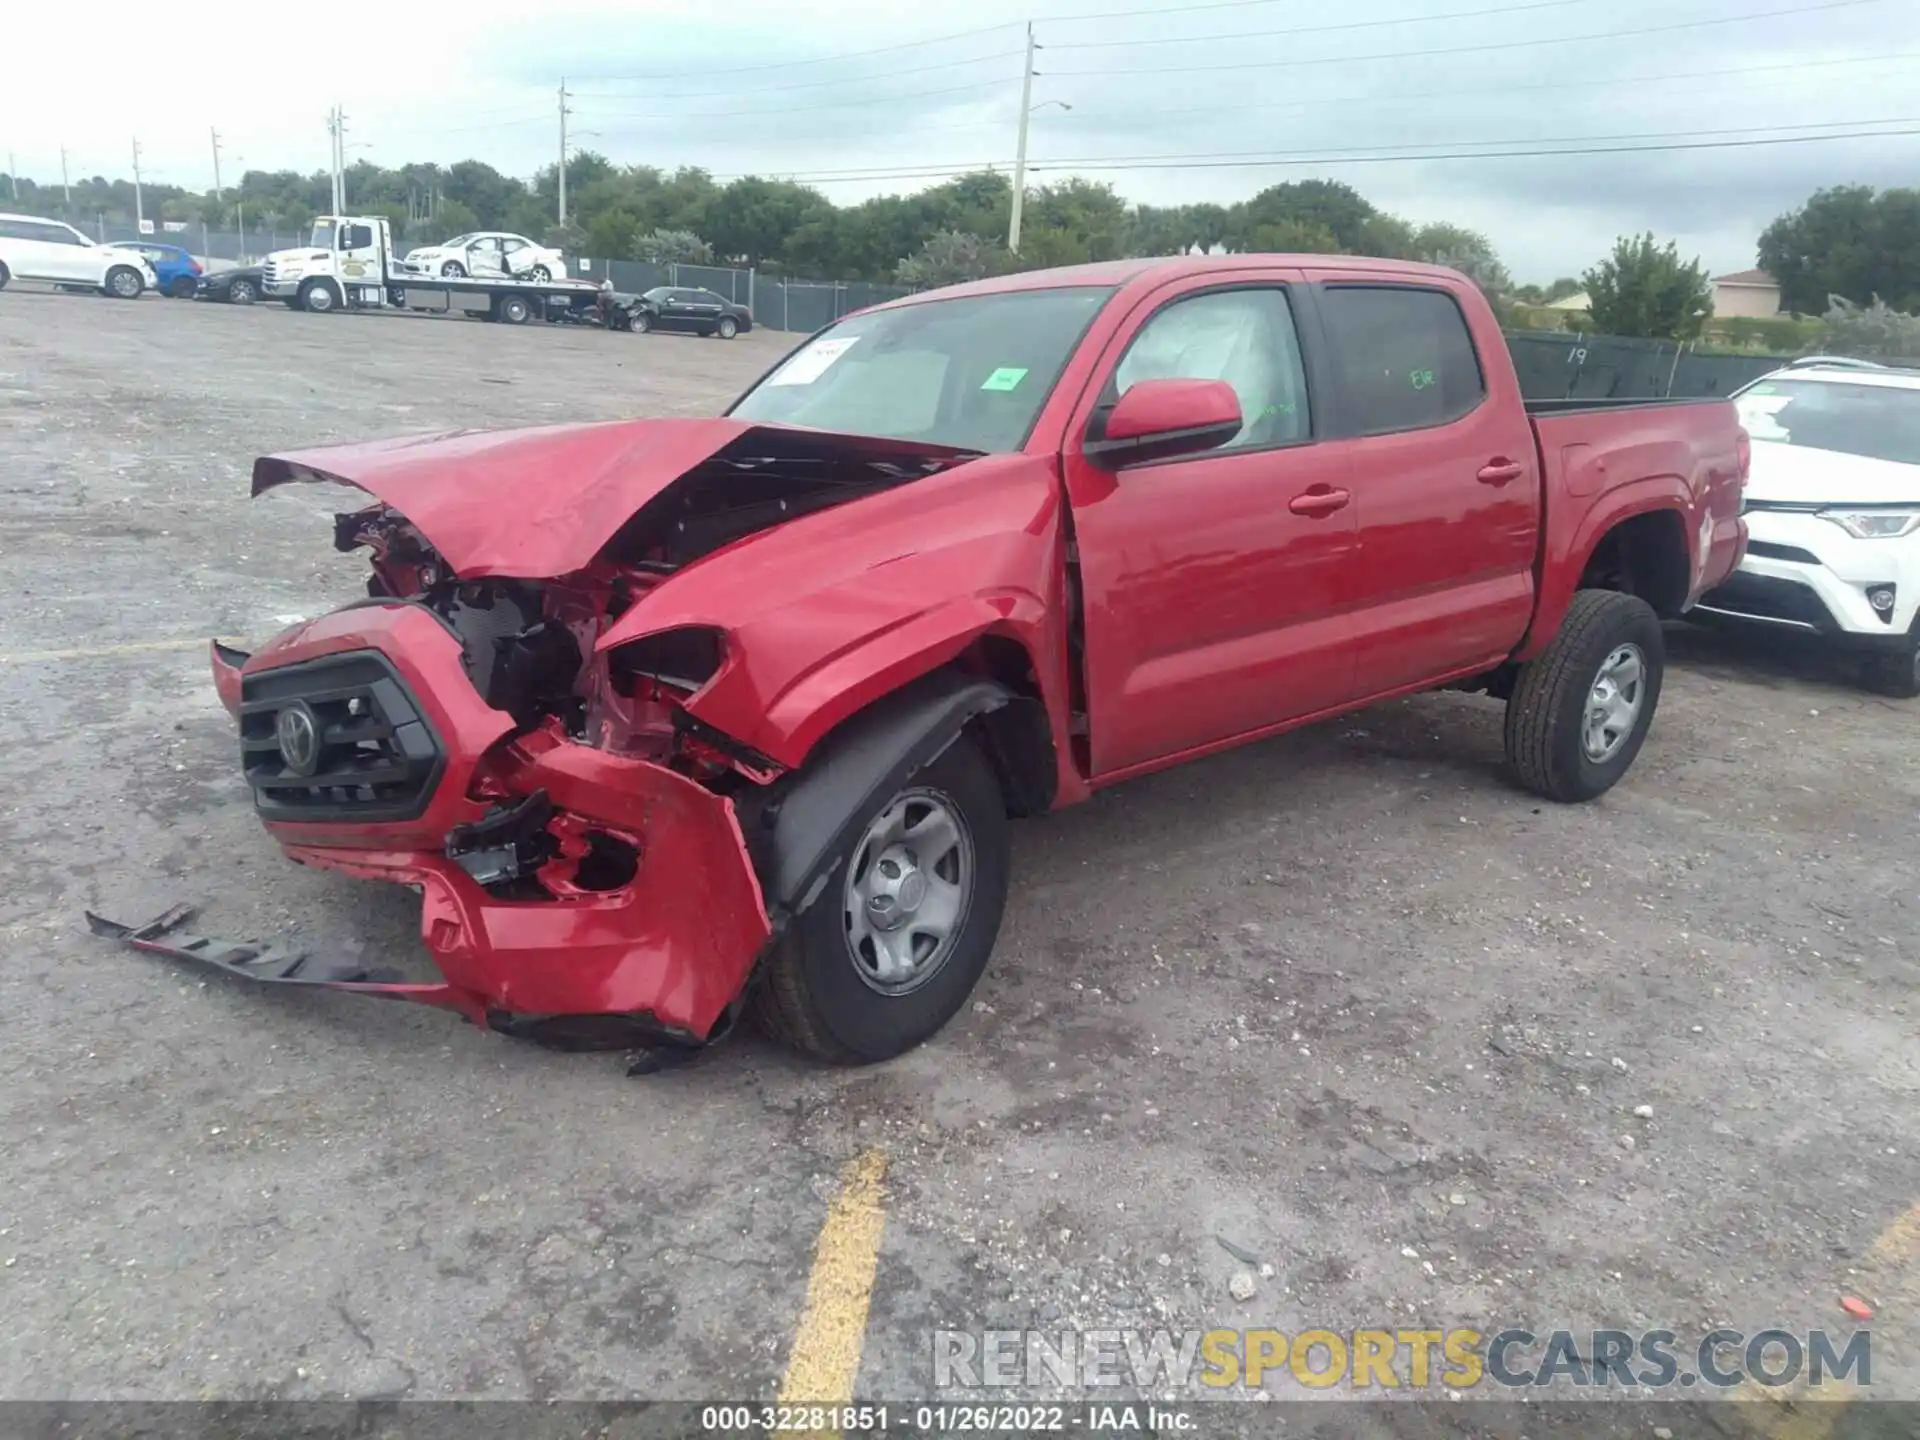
{"x":1402,"y":356}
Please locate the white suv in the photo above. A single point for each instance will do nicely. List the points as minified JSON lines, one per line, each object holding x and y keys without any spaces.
{"x":1833,"y":513}
{"x":33,"y":248}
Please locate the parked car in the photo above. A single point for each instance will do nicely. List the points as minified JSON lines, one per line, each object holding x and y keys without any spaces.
{"x":487,"y":253}
{"x":34,"y":248}
{"x":238,"y":286}
{"x":178,"y":272}
{"x":671,"y":718}
{"x":1834,"y":511}
{"x":697,"y":312}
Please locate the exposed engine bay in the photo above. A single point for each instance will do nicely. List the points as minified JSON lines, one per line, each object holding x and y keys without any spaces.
{"x":529,"y":645}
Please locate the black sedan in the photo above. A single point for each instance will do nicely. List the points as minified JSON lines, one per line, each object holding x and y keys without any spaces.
{"x":232,"y":287}
{"x":696,"y":312}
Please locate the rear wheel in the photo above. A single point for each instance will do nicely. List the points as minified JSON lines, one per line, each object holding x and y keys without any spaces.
{"x":514,"y":309}
{"x":727,"y":328}
{"x":899,"y":935}
{"x":5,"y":276}
{"x":182,"y":287}
{"x":541,"y":273}
{"x":1581,"y":710}
{"x":123,"y":282}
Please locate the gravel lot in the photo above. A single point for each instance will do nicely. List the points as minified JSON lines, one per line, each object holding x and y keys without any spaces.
{"x":1347,"y":999}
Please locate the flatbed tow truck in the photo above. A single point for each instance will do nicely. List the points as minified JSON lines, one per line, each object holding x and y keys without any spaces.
{"x":351,"y":264}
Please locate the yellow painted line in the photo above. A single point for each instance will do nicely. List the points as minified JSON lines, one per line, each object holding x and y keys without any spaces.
{"x":88,"y":652}
{"x":1807,"y":1414}
{"x":825,"y":1361}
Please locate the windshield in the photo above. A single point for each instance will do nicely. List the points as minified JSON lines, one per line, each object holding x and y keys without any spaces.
{"x":1880,"y":422}
{"x":658,"y":292}
{"x":970,"y":372}
{"x":457,"y":241}
{"x":322,"y":235}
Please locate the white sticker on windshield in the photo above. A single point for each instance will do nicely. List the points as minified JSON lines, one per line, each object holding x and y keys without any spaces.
{"x":811,"y":363}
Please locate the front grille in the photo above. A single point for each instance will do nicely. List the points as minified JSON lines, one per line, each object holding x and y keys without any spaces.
{"x":377,"y":757}
{"x":1768,"y":598}
{"x":1782,"y":552}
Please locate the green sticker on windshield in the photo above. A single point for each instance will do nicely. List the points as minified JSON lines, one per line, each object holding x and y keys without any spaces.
{"x":1005,"y":378}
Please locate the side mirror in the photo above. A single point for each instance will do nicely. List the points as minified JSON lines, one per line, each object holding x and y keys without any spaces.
{"x":1162,"y":419}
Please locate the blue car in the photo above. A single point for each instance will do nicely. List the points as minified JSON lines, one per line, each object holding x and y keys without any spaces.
{"x":178,"y":272}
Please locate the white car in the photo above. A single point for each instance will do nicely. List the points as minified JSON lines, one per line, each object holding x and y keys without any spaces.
{"x":489,"y":252}
{"x":34,"y":248}
{"x":1833,"y":513}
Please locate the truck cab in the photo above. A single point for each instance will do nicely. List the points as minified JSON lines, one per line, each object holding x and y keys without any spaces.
{"x":348,"y":260}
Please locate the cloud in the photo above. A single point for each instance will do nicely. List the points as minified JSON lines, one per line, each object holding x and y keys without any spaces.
{"x":760,"y":87}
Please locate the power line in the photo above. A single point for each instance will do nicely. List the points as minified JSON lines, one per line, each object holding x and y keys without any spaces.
{"x":1405,"y":148}
{"x":817,"y":84}
{"x":1171,"y":162}
{"x":1426,"y":51}
{"x":1506,"y":89}
{"x":1292,"y":30}
{"x":732,"y":69}
{"x":796,"y":109}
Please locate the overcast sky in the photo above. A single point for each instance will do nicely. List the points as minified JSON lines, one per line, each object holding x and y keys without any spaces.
{"x":753,"y":86}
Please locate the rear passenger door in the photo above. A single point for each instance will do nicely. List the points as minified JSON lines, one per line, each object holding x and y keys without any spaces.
{"x":1446,"y":480}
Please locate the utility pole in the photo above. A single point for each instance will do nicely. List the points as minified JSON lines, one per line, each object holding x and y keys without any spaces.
{"x":216,"y":164}
{"x":13,"y":175}
{"x":139,"y":210}
{"x":1020,"y":149}
{"x":562,"y":177}
{"x":65,"y":188}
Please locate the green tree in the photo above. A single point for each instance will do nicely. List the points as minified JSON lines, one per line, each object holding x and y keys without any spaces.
{"x":947,"y":258}
{"x":1339,"y":209}
{"x":1644,"y":289}
{"x":672,"y":247}
{"x":1467,"y":251}
{"x":1850,"y":241}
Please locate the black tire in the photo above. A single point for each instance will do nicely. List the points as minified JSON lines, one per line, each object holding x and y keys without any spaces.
{"x":183,"y":287}
{"x":1896,"y":673}
{"x":727,"y":328}
{"x":541,"y":274}
{"x":292,"y":302}
{"x":640,"y":322}
{"x":123,"y":282}
{"x":514,"y":309}
{"x":5,"y":276}
{"x":811,"y":997}
{"x":318,"y":297}
{"x":1547,"y":713}
{"x":242,"y":292}
{"x":453,"y":270}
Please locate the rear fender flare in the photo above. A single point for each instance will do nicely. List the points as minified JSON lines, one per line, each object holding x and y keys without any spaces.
{"x":1563,"y":568}
{"x":807,"y":823}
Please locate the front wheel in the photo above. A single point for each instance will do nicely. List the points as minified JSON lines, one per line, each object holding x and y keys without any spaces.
{"x":5,"y":276}
{"x":1896,"y":673}
{"x":454,"y":270}
{"x":241,"y":292}
{"x":124,"y":283}
{"x":640,"y":322}
{"x":318,"y":297}
{"x":515,"y":310}
{"x":1581,"y":710}
{"x":897,"y":938}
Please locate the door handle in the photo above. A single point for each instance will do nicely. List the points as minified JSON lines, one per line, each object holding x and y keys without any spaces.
{"x":1499,"y":472}
{"x":1319,"y":502}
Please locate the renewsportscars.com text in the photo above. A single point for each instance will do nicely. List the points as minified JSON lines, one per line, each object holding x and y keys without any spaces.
{"x":1389,"y":1359}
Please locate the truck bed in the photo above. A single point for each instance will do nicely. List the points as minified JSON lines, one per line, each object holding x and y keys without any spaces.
{"x":1576,"y":407}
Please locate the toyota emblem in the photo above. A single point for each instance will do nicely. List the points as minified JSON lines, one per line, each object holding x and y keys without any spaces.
{"x":299,"y":737}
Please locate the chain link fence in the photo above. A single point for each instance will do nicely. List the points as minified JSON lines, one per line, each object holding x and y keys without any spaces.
{"x":777,"y":303}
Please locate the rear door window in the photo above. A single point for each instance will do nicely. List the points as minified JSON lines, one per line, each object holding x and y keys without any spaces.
{"x":1402,"y":357}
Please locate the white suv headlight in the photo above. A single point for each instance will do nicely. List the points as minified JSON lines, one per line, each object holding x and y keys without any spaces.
{"x":1875,"y":524}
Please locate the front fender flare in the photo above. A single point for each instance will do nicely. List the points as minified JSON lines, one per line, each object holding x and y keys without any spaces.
{"x":807,"y":823}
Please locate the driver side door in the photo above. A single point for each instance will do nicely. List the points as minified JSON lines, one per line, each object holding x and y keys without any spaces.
{"x":1216,"y":588}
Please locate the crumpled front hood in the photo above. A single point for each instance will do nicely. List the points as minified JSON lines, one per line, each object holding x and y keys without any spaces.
{"x":543,"y":502}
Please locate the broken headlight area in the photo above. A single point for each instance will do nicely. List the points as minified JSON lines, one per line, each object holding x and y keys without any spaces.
{"x":524,"y":850}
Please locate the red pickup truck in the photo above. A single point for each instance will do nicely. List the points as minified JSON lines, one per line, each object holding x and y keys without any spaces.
{"x":670,"y":719}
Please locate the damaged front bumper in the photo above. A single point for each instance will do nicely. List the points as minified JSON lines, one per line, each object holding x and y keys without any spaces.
{"x":570,"y":895}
